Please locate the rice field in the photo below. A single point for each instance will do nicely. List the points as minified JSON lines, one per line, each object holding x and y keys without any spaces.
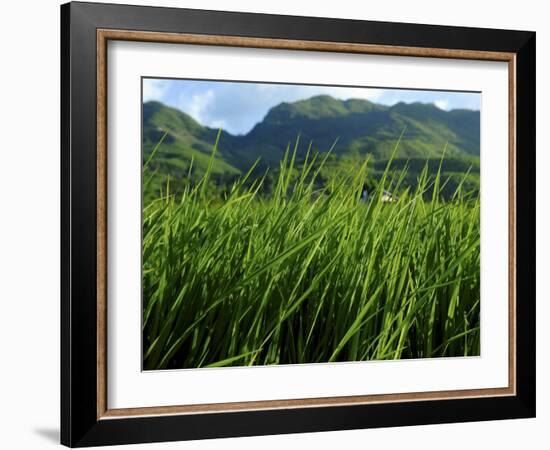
{"x":309,"y":273}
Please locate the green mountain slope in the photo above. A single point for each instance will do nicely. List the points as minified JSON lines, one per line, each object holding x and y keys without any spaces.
{"x":185,"y":140}
{"x":361,"y":127}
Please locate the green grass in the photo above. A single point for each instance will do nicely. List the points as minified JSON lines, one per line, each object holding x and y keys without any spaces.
{"x":309,"y":274}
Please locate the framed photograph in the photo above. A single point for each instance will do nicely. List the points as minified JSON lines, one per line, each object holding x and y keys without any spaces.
{"x":276,"y":224}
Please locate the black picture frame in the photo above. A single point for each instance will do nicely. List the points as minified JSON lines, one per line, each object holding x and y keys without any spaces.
{"x":80,"y":425}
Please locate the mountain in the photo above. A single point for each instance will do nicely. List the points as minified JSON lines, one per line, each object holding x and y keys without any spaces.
{"x":360,"y":126}
{"x":365,"y":127}
{"x":185,"y":140}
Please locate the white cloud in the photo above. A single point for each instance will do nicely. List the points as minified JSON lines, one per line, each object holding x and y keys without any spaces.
{"x":198,"y":105}
{"x":442,"y":104}
{"x":154,"y":89}
{"x":220,"y":123}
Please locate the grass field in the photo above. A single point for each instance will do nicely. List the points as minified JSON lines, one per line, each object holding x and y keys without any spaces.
{"x":309,"y":274}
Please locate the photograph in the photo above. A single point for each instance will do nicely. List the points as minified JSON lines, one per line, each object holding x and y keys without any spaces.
{"x":279,"y":226}
{"x":297,"y":224}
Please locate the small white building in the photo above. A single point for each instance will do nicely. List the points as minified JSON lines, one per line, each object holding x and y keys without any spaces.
{"x":387,"y":197}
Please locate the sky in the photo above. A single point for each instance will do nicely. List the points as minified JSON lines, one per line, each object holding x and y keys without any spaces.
{"x":237,"y":107}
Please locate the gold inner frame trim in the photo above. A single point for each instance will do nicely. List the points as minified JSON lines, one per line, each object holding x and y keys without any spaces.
{"x":103,"y":36}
